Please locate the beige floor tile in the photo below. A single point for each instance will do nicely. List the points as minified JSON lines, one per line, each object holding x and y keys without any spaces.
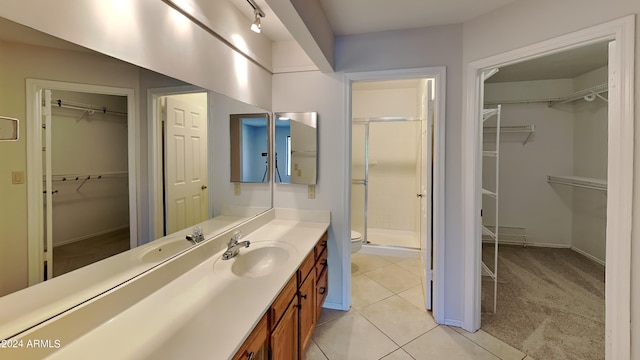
{"x":352,"y":337}
{"x":394,"y":278}
{"x":495,"y":346}
{"x":327,"y":315}
{"x":529,"y":358}
{"x":415,"y":296}
{"x":444,"y":343}
{"x":398,"y":355}
{"x":398,"y":319}
{"x":314,"y":353}
{"x":355,"y":270}
{"x":366,"y":262}
{"x":414,"y":265}
{"x":393,"y":259}
{"x":365,"y":291}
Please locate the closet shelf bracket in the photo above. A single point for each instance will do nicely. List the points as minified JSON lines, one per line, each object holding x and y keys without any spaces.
{"x":577,"y":181}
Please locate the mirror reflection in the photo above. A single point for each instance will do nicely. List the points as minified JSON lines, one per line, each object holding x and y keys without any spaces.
{"x":296,"y":146}
{"x":249,"y":147}
{"x":113,"y":170}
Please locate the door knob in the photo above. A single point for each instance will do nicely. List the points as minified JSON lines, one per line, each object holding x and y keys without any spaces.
{"x":419,"y":195}
{"x":203,"y":187}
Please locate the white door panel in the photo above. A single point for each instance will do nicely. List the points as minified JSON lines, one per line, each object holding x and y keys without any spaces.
{"x":185,"y":164}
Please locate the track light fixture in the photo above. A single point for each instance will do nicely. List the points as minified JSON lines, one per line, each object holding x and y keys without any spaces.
{"x":256,"y":26}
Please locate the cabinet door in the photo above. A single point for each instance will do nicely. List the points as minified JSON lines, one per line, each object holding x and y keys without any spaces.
{"x":322,"y":288}
{"x":284,"y":337}
{"x":307,"y":293}
{"x":255,"y":347}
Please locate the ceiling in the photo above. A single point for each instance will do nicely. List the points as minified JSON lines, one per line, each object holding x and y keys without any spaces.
{"x":349,"y":17}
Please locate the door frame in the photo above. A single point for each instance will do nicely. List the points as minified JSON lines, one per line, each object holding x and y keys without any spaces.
{"x":620,"y":173}
{"x":35,"y":215}
{"x":156,"y":188}
{"x":438,"y":210}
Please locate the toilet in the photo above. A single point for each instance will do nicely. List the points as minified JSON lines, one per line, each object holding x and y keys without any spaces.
{"x":356,"y":241}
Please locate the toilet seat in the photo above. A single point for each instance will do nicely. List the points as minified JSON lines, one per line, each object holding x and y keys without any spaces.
{"x":356,"y":241}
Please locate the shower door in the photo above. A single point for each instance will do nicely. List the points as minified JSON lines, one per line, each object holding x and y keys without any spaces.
{"x":386,"y":176}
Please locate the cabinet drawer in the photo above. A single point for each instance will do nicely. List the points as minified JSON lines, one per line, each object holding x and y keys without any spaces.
{"x":255,"y":345}
{"x":321,"y":264}
{"x":306,"y":267}
{"x":322,"y":288}
{"x":281,"y":303}
{"x":321,"y":246}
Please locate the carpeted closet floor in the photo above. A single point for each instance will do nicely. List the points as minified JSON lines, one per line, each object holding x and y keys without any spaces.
{"x":550,"y":302}
{"x":75,"y":255}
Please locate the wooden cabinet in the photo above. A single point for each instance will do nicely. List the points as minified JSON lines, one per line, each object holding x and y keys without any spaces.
{"x":287,"y":328}
{"x":307,"y":298}
{"x":256,"y":345}
{"x":284,"y":323}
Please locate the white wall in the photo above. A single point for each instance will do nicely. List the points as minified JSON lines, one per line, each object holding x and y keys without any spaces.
{"x":526,"y":199}
{"x":324,"y":93}
{"x":524,"y":23}
{"x":432,"y":46}
{"x":590,"y":160}
{"x":89,"y":144}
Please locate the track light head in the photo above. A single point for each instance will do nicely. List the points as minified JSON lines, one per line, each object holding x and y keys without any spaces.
{"x":256,"y":26}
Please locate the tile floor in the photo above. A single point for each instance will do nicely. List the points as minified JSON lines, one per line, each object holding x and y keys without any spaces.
{"x":387,"y":321}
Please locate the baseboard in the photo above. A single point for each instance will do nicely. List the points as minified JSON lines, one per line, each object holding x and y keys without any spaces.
{"x":384,"y":250}
{"x":85,"y":237}
{"x":334,"y":306}
{"x":588,"y":256}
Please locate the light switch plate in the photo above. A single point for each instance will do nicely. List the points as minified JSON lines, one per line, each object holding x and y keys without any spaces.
{"x":311,"y":191}
{"x":236,"y":189}
{"x":17,"y":177}
{"x":8,"y":129}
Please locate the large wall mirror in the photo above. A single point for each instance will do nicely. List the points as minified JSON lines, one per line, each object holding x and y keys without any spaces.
{"x":249,"y":134}
{"x":92,"y":136}
{"x":296,"y":146}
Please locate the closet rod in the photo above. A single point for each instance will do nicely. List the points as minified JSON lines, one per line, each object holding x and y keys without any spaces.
{"x":588,"y":94}
{"x":89,"y":108}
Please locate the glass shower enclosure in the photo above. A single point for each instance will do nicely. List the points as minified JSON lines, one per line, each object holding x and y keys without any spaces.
{"x":386,"y":178}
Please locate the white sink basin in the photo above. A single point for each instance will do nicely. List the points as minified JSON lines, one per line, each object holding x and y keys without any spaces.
{"x":260,"y":259}
{"x":164,"y":251}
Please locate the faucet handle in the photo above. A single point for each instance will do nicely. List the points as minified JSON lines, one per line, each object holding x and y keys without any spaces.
{"x":197,"y":230}
{"x":237,"y":235}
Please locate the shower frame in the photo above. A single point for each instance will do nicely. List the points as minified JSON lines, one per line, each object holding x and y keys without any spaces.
{"x":365,"y":122}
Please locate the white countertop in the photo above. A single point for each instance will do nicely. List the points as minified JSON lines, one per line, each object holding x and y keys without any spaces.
{"x":202,"y":313}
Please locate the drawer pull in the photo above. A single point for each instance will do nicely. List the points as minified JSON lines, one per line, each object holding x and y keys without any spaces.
{"x":324,"y":243}
{"x":250,"y":355}
{"x":324,"y":262}
{"x":323,"y":290}
{"x":303,"y":296}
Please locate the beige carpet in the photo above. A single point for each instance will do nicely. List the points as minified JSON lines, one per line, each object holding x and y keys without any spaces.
{"x":550,"y":303}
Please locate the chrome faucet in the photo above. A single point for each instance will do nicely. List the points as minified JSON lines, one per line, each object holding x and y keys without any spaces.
{"x":234,"y":245}
{"x":197,"y":235}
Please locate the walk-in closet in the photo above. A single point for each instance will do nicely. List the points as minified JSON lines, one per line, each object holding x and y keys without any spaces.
{"x":544,"y":203}
{"x":87,"y":153}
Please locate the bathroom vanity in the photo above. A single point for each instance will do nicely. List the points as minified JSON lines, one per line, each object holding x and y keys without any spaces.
{"x":196,"y":305}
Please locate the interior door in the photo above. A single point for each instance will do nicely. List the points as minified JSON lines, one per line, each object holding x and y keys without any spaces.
{"x":426,"y":192}
{"x":185,"y":164}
